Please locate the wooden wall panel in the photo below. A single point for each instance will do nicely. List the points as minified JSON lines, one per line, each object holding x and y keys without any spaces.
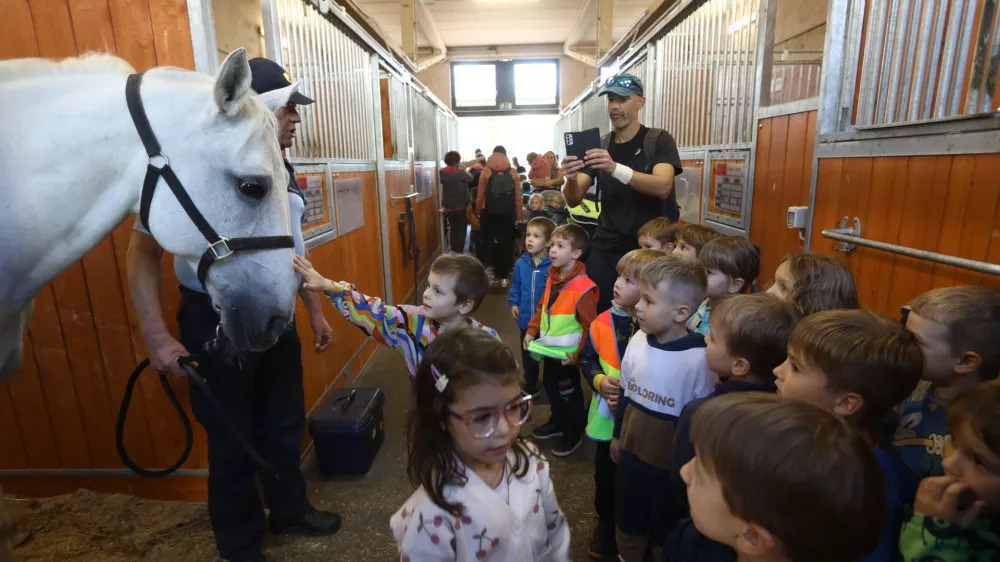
{"x":945,"y":204}
{"x":355,"y":257}
{"x":781,"y":179}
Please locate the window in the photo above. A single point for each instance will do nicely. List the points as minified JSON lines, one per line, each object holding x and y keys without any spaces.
{"x":505,"y":87}
{"x":536,"y":83}
{"x":475,"y":85}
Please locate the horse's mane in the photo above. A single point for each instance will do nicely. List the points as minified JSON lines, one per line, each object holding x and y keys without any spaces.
{"x":88,"y":64}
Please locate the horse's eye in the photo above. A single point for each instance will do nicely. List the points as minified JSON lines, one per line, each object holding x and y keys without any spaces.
{"x":253,"y":190}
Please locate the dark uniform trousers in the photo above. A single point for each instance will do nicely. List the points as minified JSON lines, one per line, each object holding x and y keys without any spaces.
{"x":262,"y":393}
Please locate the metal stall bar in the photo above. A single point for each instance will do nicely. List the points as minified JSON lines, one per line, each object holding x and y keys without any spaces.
{"x":886,"y":58}
{"x":906,"y":65}
{"x":846,"y":236}
{"x":891,"y":93}
{"x":874,"y":43}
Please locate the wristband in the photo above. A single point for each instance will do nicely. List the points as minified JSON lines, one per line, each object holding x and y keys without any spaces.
{"x":622,"y":173}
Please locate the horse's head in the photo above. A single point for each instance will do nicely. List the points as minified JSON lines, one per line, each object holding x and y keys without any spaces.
{"x":222,"y":143}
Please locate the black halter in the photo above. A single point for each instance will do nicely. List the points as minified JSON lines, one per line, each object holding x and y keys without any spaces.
{"x":219,"y":247}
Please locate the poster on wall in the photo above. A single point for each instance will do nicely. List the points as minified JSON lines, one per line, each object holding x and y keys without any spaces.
{"x":687,"y":186}
{"x":730,"y":179}
{"x":313,"y":186}
{"x":350,"y":205}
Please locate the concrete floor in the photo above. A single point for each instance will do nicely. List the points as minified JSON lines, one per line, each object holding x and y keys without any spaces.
{"x":367,"y":503}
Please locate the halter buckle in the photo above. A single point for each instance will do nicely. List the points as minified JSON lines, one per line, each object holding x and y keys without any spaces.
{"x":220,"y":249}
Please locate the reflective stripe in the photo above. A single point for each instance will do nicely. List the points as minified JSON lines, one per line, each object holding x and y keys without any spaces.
{"x":600,"y":420}
{"x":567,"y":340}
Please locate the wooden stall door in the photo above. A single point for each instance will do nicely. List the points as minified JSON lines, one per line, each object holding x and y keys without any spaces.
{"x":781,"y":179}
{"x":945,"y":204}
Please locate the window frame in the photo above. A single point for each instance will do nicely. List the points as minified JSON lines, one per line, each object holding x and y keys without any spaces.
{"x":506,"y":90}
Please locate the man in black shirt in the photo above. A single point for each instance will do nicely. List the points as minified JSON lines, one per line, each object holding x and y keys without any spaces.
{"x":635,"y":175}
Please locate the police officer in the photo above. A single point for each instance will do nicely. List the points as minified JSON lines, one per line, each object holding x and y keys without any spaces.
{"x":262,"y":393}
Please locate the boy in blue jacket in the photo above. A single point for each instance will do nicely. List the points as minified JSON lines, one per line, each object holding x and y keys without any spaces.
{"x":530,"y":274}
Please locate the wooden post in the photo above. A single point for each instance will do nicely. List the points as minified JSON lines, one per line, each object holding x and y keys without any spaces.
{"x":408,"y":27}
{"x":6,"y":531}
{"x":605,"y":12}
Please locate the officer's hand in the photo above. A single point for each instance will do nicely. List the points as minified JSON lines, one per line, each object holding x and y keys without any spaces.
{"x":164,"y":351}
{"x":599,"y":159}
{"x":322,"y":333}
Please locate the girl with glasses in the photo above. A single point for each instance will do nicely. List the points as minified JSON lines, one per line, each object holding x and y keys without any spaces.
{"x":484,"y":493}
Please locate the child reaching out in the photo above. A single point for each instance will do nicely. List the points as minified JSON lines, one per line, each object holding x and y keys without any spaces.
{"x":957,"y":516}
{"x":814,"y":283}
{"x":484,"y":493}
{"x":456,"y":285}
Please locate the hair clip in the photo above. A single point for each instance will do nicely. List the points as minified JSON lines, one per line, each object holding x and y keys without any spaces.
{"x":440,"y":380}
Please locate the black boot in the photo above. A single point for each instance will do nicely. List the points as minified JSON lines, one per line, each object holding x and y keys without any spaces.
{"x":314,"y":523}
{"x":602,"y":544}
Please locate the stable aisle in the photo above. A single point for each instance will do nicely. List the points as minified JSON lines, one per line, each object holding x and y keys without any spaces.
{"x":366,"y":504}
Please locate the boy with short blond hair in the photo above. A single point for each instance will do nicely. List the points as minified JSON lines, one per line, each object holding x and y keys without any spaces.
{"x":558,"y":331}
{"x":748,"y":340}
{"x":958,"y":330}
{"x":600,"y":362}
{"x":776,"y":480}
{"x":733,"y":262}
{"x":691,"y":238}
{"x":859,"y":365}
{"x":456,"y":286}
{"x":663,"y":369}
{"x":658,"y":234}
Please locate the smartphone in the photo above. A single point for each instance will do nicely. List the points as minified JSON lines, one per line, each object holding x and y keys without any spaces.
{"x":577,"y":144}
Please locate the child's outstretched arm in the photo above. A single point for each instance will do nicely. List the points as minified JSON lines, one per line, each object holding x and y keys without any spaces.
{"x":387,"y":324}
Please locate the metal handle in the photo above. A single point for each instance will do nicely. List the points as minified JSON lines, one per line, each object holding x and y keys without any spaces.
{"x":401,"y":197}
{"x":846,"y":236}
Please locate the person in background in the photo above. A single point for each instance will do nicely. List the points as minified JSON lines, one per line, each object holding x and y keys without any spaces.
{"x":455,"y":199}
{"x":958,"y":329}
{"x":518,"y":166}
{"x":814,"y":283}
{"x":536,"y":207}
{"x":558,"y":210}
{"x":691,"y":238}
{"x":539,"y":168}
{"x":957,"y":516}
{"x":499,"y":206}
{"x":531,"y":272}
{"x":635,"y":169}
{"x":659,"y":234}
{"x":732,"y":262}
{"x":556,"y":173}
{"x":263,"y":393}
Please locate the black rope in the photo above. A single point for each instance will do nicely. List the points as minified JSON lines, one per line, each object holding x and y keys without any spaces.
{"x":188,"y":436}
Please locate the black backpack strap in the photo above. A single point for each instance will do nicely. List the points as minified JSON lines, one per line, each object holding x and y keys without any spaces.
{"x":606,"y":140}
{"x":649,"y":147}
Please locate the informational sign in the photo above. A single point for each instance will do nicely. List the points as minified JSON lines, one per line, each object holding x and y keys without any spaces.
{"x":730,"y":179}
{"x":350,"y":205}
{"x":314,"y":188}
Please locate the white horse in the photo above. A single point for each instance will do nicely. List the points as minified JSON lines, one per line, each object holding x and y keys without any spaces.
{"x":72,"y":168}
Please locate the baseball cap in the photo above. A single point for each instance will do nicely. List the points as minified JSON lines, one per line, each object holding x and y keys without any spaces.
{"x":623,"y":85}
{"x":273,"y":84}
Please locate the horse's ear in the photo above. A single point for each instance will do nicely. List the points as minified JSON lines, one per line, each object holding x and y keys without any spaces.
{"x":233,"y":82}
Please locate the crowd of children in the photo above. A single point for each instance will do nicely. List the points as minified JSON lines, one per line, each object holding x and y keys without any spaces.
{"x":730,"y":424}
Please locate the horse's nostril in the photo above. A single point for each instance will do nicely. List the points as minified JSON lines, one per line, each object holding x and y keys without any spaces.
{"x":276,"y":324}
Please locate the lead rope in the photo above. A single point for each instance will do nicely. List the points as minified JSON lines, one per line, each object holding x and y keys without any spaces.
{"x":202,"y":385}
